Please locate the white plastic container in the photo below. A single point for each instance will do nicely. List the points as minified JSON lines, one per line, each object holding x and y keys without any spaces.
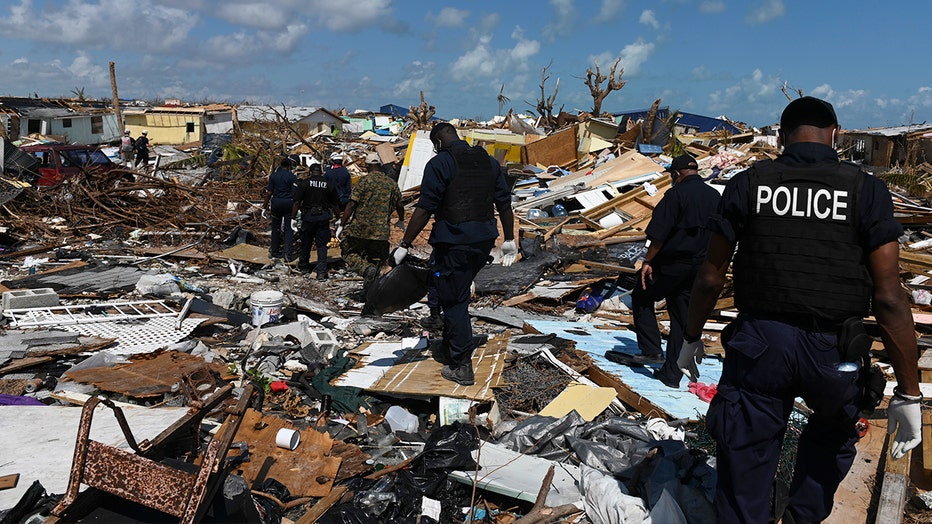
{"x":400,"y":419}
{"x":287,"y":438}
{"x":266,"y":307}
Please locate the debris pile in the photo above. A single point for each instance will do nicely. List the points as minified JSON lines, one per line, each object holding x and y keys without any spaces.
{"x":226,"y":386}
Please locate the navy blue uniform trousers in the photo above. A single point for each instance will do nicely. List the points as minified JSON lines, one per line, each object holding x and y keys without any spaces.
{"x":281,"y":228}
{"x":767,"y":365}
{"x":673,"y":282}
{"x":454,"y":267}
{"x":316,"y":231}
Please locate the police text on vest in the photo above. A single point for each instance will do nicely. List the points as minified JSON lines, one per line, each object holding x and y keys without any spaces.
{"x":803,"y":202}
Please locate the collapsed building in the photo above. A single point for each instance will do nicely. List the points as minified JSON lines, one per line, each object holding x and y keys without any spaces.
{"x":160,"y":366}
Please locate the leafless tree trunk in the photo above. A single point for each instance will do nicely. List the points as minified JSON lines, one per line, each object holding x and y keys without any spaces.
{"x":116,"y":99}
{"x":594,"y":82}
{"x":787,"y":95}
{"x":420,"y":115}
{"x":545,"y":103}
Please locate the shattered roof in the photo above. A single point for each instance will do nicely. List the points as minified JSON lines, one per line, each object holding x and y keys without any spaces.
{"x":267,"y":113}
{"x":892,"y":131}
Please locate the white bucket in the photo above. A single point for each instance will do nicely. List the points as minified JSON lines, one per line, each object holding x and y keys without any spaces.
{"x":266,"y":306}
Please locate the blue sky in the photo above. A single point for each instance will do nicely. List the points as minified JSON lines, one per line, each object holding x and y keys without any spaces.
{"x":711,"y":57}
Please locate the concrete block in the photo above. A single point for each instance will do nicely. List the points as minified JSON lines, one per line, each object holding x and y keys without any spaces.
{"x":324,"y":341}
{"x":28,"y":298}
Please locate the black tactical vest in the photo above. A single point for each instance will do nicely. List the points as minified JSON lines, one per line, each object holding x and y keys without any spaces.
{"x":799,"y":255}
{"x":471,"y":193}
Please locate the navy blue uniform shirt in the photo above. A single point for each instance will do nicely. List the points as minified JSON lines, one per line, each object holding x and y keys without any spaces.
{"x":681,"y":219}
{"x":438,"y":173}
{"x":281,"y":183}
{"x":341,"y":180}
{"x":316,"y":198}
{"x":876,"y":225}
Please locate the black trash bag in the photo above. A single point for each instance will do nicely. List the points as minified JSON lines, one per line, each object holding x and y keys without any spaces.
{"x":31,"y":502}
{"x":449,"y":448}
{"x":271,"y":511}
{"x":686,"y":474}
{"x":404,"y":285}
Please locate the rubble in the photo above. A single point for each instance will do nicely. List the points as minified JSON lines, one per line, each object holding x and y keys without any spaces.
{"x":137,"y":291}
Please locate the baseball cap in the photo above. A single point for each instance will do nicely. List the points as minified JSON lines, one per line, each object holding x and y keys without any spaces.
{"x":336,"y":156}
{"x":807,"y":111}
{"x":683,"y":162}
{"x":373,"y":158}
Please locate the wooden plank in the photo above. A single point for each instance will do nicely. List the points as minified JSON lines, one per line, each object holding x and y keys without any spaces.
{"x":608,"y":267}
{"x":894,"y":486}
{"x":322,"y":505}
{"x":9,"y":481}
{"x":927,"y":442}
{"x":24,"y":363}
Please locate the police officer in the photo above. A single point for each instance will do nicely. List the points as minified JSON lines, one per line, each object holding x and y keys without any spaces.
{"x":678,"y":239}
{"x":462,"y":187}
{"x":318,"y":202}
{"x":278,"y":200}
{"x":366,"y":220}
{"x":817,"y":247}
{"x":339,"y":177}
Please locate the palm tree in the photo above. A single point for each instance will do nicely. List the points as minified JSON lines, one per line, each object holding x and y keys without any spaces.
{"x":502,"y":99}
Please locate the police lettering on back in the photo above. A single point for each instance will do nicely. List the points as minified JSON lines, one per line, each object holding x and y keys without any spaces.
{"x":806,"y":202}
{"x":317,"y":183}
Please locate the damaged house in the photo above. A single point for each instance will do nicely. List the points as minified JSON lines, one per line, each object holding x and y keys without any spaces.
{"x":72,"y":122}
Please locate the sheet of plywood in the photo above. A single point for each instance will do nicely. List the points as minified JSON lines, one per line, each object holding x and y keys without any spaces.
{"x":308,"y":471}
{"x":557,"y":149}
{"x":245,"y":253}
{"x":629,"y":164}
{"x":588,"y":401}
{"x":418,"y":374}
{"x":146,"y":375}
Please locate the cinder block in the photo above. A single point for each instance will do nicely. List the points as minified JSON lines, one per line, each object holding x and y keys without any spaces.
{"x":28,"y":298}
{"x":324,"y":341}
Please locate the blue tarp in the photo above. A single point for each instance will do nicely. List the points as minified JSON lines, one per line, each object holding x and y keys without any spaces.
{"x":678,"y":403}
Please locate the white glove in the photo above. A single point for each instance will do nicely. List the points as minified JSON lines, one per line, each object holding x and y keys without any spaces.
{"x":399,"y":254}
{"x":295,"y":224}
{"x":691,"y":354}
{"x":509,"y":252}
{"x":339,"y":232}
{"x":904,"y":417}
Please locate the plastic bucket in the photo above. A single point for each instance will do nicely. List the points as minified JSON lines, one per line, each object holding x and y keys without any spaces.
{"x":266,"y":307}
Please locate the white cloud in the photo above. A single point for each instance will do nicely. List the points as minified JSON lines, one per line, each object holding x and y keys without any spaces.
{"x":649,"y":18}
{"x":483,"y":61}
{"x":922,"y":98}
{"x":610,"y":10}
{"x":701,"y":73}
{"x":450,"y":17}
{"x":839,"y":99}
{"x":340,"y":16}
{"x":712,"y":6}
{"x":105,"y":24}
{"x":634,"y":55}
{"x":564,"y":19}
{"x":757,"y":88}
{"x":83,"y":67}
{"x":419,"y":77}
{"x":260,"y":15}
{"x":766,"y":11}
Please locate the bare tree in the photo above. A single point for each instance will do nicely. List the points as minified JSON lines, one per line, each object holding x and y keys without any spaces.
{"x":787,"y":95}
{"x":544,"y":105}
{"x":420,"y":115}
{"x":594,"y":81}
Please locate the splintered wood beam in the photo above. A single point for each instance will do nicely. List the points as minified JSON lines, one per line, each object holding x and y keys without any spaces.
{"x":893,"y":490}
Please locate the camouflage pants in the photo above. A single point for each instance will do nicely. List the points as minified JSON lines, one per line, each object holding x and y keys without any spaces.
{"x":360,"y":253}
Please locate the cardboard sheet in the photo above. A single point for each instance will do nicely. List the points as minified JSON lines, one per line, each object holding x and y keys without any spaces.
{"x":588,"y":401}
{"x":308,"y":471}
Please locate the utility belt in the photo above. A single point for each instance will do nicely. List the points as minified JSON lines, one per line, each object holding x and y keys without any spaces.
{"x":805,"y":322}
{"x":314,"y":211}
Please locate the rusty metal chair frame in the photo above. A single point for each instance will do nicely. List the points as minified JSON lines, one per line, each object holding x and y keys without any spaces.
{"x":140,"y":477}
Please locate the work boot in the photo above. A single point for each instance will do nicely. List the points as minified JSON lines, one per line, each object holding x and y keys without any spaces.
{"x":462,"y":374}
{"x":440,"y":352}
{"x":433,"y":322}
{"x":322,"y":275}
